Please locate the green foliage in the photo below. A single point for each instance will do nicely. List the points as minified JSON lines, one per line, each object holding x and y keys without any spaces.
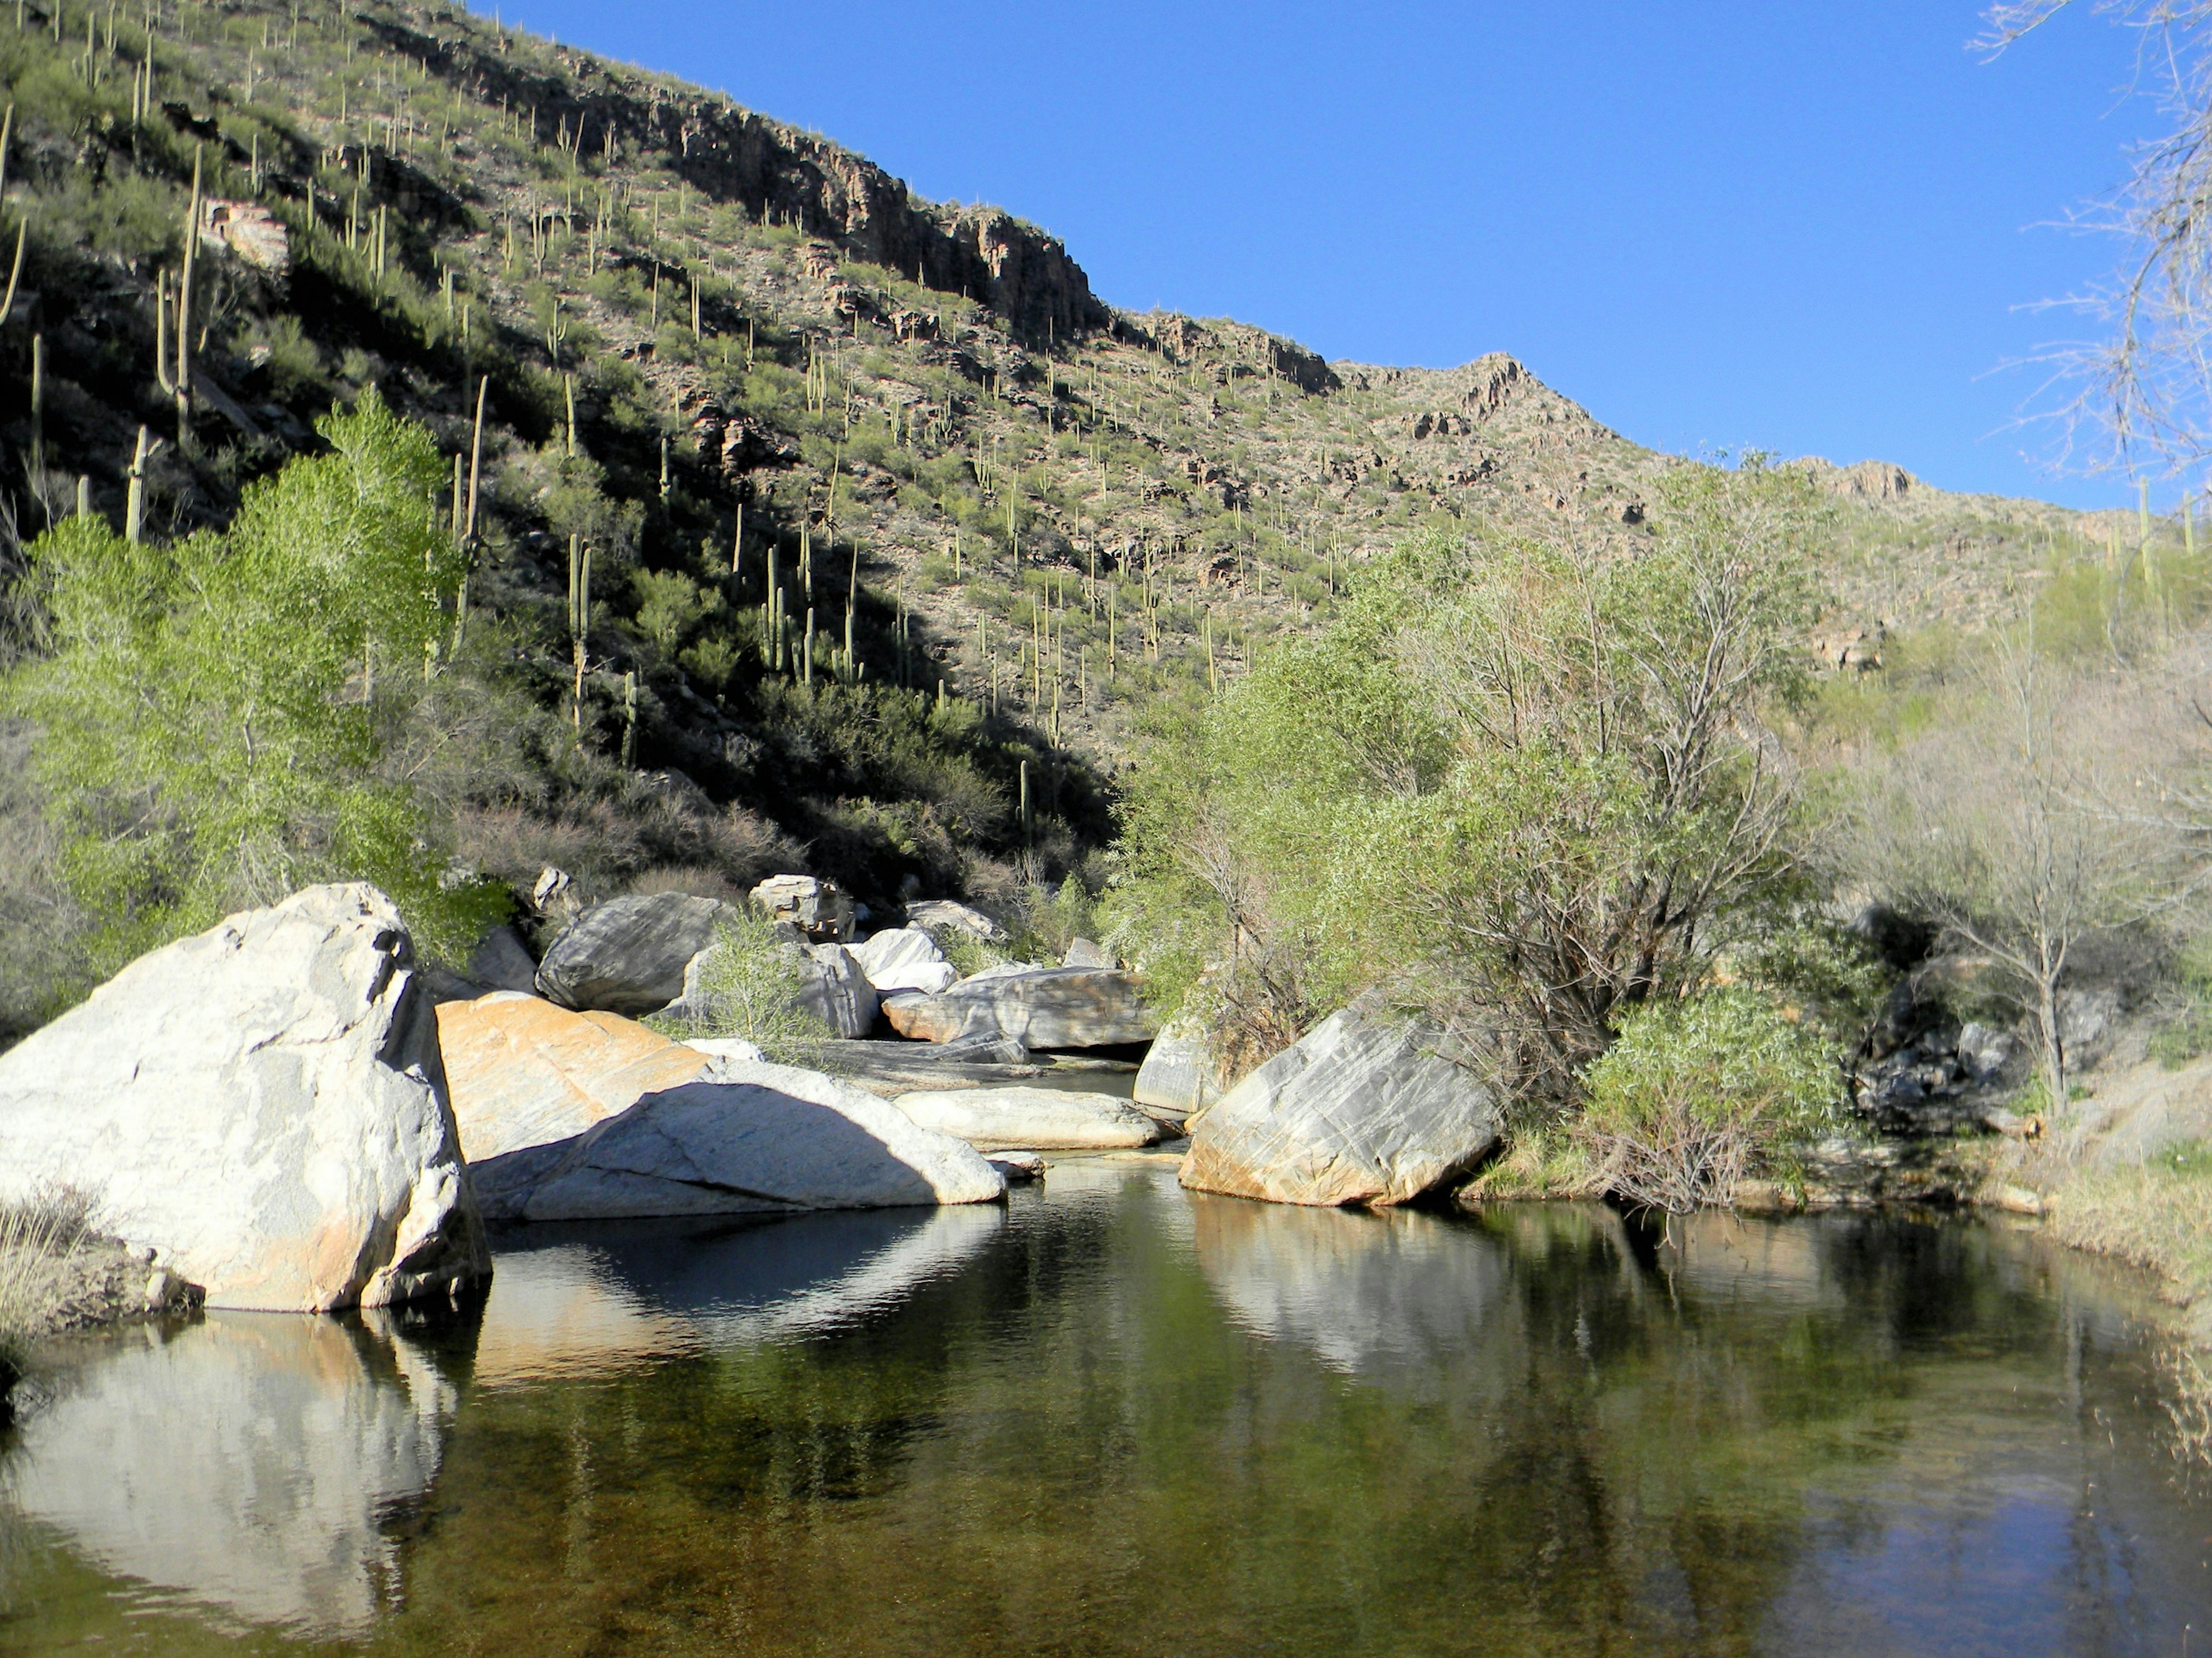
{"x":210,"y":715}
{"x":1519,"y":782}
{"x":750,"y":986}
{"x":1700,"y":1092}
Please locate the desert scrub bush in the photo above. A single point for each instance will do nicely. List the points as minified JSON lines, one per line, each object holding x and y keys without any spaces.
{"x":750,"y":986}
{"x":1699,"y":1092}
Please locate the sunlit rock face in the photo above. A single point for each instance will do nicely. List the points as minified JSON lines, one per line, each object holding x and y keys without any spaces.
{"x":265,"y":1103}
{"x":1364,"y":1290}
{"x":253,"y":1465}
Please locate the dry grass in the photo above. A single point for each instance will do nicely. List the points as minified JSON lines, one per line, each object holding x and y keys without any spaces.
{"x":2156,"y":1214}
{"x":35,"y":1234}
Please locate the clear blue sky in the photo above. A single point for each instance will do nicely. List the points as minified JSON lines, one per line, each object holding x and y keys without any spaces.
{"x":1811,"y":228}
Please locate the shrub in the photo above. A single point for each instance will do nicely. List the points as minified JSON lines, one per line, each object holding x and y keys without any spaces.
{"x":1698,"y":1093}
{"x":750,"y":985}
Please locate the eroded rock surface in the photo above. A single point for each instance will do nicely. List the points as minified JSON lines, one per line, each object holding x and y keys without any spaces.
{"x":904,"y":958}
{"x":627,"y":954}
{"x":522,"y":1073}
{"x":762,"y":1139}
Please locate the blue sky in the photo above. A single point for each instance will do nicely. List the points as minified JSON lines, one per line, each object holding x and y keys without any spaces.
{"x":1810,"y":228}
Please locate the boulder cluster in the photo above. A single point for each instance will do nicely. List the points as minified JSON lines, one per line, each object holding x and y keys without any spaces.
{"x":288,"y":1113}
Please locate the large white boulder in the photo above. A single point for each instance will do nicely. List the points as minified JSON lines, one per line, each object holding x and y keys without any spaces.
{"x":1365,"y":1107}
{"x":1039,"y":1007}
{"x":627,"y":954}
{"x":762,"y":1138}
{"x":265,"y":1105}
{"x":1031,"y":1119}
{"x":904,"y":958}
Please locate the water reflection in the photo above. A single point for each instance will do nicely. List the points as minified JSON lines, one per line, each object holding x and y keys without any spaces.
{"x":1391,"y":1290}
{"x":1117,"y":1418}
{"x":250,"y":1465}
{"x":569,"y":1303}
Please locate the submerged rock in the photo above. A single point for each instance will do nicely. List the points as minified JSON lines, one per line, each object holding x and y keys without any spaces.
{"x":1363,"y":1108}
{"x":627,"y":954}
{"x":1033,"y":1119}
{"x":762,"y":1138}
{"x":264,"y":1104}
{"x":1037,"y":1006}
{"x":522,"y":1073}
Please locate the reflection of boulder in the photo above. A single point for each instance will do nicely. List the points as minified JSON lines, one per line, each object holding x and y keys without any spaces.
{"x":1367,"y":1291}
{"x":625,"y":1295}
{"x":251,"y":1463}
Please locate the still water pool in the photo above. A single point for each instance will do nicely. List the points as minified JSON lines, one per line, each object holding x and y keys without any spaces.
{"x":1114,"y":1417}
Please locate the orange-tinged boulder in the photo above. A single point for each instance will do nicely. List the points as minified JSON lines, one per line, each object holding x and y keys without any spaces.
{"x":521,"y":1072}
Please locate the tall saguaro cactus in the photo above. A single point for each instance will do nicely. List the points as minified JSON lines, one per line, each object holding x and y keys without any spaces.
{"x":183,"y":380}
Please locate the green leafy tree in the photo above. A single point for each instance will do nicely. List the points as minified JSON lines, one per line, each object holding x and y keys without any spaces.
{"x":1532,"y":789}
{"x":210,"y":715}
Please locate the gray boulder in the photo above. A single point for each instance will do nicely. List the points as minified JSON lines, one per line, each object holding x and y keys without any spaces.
{"x":1032,"y":1119}
{"x":627,"y":954}
{"x":762,"y":1138}
{"x":1364,"y":1108}
{"x":904,"y":958}
{"x":1039,"y":1007}
{"x":837,"y":991}
{"x":1177,"y":1076}
{"x":502,"y":962}
{"x":265,"y":1105}
{"x":942,"y":913}
{"x":1086,"y":952}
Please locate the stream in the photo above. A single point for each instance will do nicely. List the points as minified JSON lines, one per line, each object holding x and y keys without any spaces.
{"x":1112,"y":1416}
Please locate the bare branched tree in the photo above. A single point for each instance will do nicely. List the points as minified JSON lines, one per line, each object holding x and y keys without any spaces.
{"x":2137,"y":397}
{"x":2019,"y":826}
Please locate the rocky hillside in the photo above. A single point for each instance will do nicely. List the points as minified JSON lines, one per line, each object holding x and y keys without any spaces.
{"x":809,"y":429}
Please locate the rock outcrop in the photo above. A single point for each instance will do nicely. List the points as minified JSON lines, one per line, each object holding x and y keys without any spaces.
{"x":904,"y":958}
{"x":1031,"y":1119}
{"x":1044,"y":1007}
{"x":627,"y":954}
{"x":524,"y":1073}
{"x":765,"y":1139}
{"x":264,"y":1105}
{"x":1363,"y":1108}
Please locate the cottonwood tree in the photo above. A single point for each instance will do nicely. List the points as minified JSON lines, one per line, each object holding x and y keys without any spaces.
{"x":1519,"y":783}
